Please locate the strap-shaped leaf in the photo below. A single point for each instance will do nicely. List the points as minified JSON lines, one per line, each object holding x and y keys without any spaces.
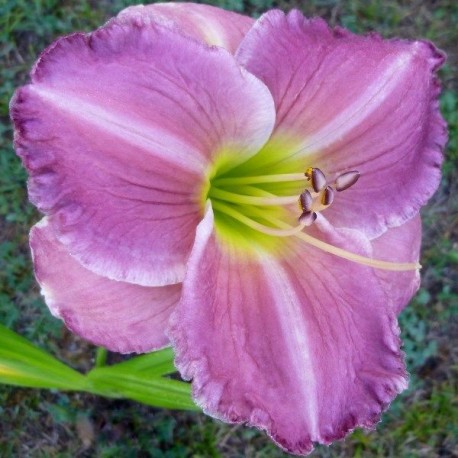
{"x":153,"y":364}
{"x":24,"y":364}
{"x":153,"y":391}
{"x":139,"y":379}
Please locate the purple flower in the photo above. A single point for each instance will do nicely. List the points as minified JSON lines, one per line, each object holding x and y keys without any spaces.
{"x":170,"y":172}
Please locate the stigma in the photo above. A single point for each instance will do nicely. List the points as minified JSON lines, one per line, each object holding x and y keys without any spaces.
{"x":321,"y":195}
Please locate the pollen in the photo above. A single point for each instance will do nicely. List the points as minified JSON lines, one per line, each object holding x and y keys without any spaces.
{"x":263,"y":203}
{"x":307,"y":218}
{"x":306,"y":201}
{"x":317,"y":178}
{"x":322,"y":195}
{"x":347,"y":179}
{"x":327,"y":196}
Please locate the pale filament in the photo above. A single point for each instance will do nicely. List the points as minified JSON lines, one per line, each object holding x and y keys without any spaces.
{"x":221,"y":201}
{"x":384,"y":265}
{"x":285,"y":230}
{"x":282,"y":178}
{"x":273,"y":200}
{"x":255,"y":225}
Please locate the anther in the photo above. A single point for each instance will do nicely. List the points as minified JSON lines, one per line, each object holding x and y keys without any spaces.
{"x":306,"y":201}
{"x":328,"y":196}
{"x":346,"y":180}
{"x":307,"y":218}
{"x":317,"y":178}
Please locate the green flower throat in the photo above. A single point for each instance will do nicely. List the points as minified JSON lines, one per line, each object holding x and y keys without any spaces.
{"x":260,"y":205}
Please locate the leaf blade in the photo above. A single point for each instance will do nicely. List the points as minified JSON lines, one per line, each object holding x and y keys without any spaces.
{"x":154,"y":391}
{"x":24,"y":364}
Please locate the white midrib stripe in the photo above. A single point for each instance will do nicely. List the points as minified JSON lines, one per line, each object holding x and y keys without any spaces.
{"x":296,"y":337}
{"x":118,"y":125}
{"x":374,"y":95}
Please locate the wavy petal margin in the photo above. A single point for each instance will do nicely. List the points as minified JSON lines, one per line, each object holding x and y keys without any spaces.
{"x":306,"y":347}
{"x":117,"y":131}
{"x":354,"y":102}
{"x":399,"y":244}
{"x":211,"y":25}
{"x":120,"y":316}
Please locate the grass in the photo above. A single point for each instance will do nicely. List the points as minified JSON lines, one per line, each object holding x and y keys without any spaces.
{"x":420,"y":423}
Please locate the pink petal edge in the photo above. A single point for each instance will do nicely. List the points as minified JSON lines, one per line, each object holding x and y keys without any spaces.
{"x":354,"y":102}
{"x":205,"y":23}
{"x":120,"y":316}
{"x":117,"y":130}
{"x":310,"y":344}
{"x":399,"y":244}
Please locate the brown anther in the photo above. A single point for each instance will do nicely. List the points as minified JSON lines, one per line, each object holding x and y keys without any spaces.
{"x":306,"y":201}
{"x":328,"y":196}
{"x":346,"y":180}
{"x":307,"y":218}
{"x":316,"y":177}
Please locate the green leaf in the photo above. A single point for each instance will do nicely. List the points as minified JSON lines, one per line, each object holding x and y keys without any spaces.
{"x":153,"y":391}
{"x":153,"y":364}
{"x":23,"y":364}
{"x":139,"y":379}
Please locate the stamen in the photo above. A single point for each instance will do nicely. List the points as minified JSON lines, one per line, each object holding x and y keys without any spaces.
{"x":281,"y":178}
{"x":317,"y":178}
{"x":251,"y":200}
{"x":341,"y":253}
{"x":328,"y":196}
{"x":307,"y":218}
{"x":306,"y":201}
{"x":346,"y":180}
{"x":254,"y":224}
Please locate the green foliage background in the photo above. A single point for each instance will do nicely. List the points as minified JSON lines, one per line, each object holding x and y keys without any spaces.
{"x":422,"y":422}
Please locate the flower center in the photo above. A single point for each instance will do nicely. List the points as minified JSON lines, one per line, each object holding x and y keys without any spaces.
{"x":261,"y":211}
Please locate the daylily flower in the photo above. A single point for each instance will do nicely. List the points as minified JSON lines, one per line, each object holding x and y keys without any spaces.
{"x":198,"y":172}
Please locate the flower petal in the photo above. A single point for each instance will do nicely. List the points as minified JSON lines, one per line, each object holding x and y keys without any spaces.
{"x":305,"y":347}
{"x":399,"y":244}
{"x":119,"y":316}
{"x":117,"y":130}
{"x":354,"y":103}
{"x":206,"y":23}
